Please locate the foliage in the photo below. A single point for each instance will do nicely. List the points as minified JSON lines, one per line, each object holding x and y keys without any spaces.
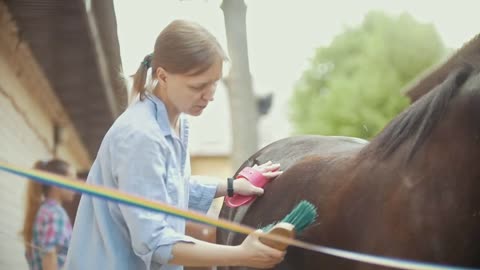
{"x":353,"y":86}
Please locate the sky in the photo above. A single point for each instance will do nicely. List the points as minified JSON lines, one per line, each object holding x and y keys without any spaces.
{"x":283,"y":34}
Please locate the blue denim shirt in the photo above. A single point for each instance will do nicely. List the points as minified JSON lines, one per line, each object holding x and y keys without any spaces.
{"x":140,"y":155}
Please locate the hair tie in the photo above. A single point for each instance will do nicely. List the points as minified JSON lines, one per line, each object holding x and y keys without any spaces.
{"x":147,"y":61}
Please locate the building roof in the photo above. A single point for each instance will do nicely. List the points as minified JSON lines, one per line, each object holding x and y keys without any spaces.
{"x":76,"y":45}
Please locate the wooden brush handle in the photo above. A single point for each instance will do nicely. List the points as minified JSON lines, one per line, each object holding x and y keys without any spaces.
{"x":283,"y":229}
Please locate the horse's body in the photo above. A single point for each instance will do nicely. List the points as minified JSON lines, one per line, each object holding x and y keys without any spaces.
{"x":412,"y":193}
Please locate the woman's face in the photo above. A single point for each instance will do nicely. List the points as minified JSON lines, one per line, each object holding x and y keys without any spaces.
{"x":189,"y":94}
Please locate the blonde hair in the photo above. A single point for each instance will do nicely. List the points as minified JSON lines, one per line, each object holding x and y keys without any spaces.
{"x":182,"y":47}
{"x":37,"y":192}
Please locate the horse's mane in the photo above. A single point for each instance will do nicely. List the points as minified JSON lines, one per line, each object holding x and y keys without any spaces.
{"x":418,"y":120}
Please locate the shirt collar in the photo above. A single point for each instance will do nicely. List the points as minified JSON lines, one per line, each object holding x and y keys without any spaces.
{"x":163,"y":121}
{"x":161,"y":114}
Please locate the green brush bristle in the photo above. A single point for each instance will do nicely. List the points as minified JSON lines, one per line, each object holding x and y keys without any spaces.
{"x":303,"y":215}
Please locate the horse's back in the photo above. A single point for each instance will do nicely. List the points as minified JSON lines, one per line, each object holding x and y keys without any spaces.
{"x":293,"y":154}
{"x":290,"y":150}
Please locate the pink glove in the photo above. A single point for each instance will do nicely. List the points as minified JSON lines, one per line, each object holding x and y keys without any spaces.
{"x":253,"y":176}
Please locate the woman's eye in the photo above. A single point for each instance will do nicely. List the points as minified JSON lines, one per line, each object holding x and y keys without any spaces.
{"x":198,"y":88}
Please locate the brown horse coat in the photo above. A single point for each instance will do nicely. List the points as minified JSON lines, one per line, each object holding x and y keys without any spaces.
{"x":412,"y":192}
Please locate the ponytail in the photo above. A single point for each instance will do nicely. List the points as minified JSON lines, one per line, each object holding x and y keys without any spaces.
{"x":140,"y":78}
{"x":35,"y":195}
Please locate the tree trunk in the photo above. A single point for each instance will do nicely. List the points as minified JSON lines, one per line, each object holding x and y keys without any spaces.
{"x":243,"y":109}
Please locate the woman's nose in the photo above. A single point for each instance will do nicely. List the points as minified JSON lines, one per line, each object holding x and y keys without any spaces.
{"x":210,"y":93}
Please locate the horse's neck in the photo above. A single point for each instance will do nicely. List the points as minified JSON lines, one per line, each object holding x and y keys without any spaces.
{"x":450,"y":155}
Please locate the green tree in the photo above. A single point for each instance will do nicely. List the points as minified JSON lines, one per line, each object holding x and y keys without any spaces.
{"x":352,"y":87}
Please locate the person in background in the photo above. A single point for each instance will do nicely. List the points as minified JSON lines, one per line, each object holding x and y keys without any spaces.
{"x":47,"y":228}
{"x":72,"y":206}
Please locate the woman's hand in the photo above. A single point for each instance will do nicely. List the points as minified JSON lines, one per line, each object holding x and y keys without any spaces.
{"x":268,"y":169}
{"x":259,"y":255}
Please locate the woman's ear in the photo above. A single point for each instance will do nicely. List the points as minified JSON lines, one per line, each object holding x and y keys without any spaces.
{"x":161,"y":75}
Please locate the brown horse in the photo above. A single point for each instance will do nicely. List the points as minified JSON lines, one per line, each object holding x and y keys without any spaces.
{"x":413,"y":192}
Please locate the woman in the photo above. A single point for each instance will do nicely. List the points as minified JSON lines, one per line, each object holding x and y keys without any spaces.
{"x":47,"y":229}
{"x":145,"y":153}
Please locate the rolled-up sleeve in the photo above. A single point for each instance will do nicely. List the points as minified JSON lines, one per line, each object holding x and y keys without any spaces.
{"x":141,"y":171}
{"x":201,"y":195}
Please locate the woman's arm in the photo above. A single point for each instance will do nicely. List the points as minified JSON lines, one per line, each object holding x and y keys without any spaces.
{"x":251,"y":253}
{"x":49,"y":261}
